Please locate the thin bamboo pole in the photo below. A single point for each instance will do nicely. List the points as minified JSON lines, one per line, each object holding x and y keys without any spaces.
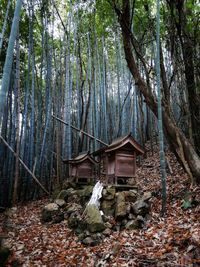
{"x":79,"y":130}
{"x":160,"y":123}
{"x":24,"y":165}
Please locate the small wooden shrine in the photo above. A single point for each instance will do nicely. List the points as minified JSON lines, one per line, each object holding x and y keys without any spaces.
{"x":118,"y":160}
{"x":82,"y":168}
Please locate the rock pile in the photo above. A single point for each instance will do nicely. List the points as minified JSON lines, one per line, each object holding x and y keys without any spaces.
{"x":118,"y":210}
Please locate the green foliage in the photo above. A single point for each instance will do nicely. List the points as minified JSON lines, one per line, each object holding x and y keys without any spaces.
{"x":187,"y":204}
{"x":105,"y":18}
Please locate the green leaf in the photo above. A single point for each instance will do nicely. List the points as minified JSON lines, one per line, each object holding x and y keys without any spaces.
{"x":187,"y":204}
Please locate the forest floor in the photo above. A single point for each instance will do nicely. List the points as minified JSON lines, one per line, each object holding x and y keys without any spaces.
{"x":173,"y":240}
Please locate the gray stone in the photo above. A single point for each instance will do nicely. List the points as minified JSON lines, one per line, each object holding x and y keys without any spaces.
{"x":57,"y":217}
{"x":136,"y":223}
{"x":140,"y":207}
{"x":131,"y":216}
{"x":86,"y":192}
{"x":60,"y":202}
{"x":48,"y":211}
{"x":93,"y":219}
{"x":20,"y":246}
{"x":108,"y":225}
{"x":128,"y":207}
{"x":51,"y":207}
{"x":70,"y":208}
{"x":105,"y":218}
{"x":107,"y":232}
{"x":98,"y":235}
{"x":87,"y":233}
{"x":131,"y":225}
{"x":90,"y":241}
{"x":108,"y":193}
{"x":147,"y":196}
{"x":75,"y":221}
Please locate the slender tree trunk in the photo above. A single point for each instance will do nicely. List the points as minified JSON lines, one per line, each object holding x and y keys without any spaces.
{"x":160,"y":121}
{"x":4,"y":25}
{"x":104,"y":94}
{"x":9,"y":57}
{"x":67,"y":98}
{"x":16,"y":180}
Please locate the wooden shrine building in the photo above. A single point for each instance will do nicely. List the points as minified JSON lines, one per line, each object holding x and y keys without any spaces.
{"x":118,"y":160}
{"x":82,"y":168}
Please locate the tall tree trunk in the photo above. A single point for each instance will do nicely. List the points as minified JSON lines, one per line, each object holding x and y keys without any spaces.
{"x":17,"y":85}
{"x":104,"y":94}
{"x":67,"y":149}
{"x":9,"y":57}
{"x":181,"y":146}
{"x":4,"y":24}
{"x":160,"y":121}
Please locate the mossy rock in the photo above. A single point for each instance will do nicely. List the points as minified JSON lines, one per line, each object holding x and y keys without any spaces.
{"x":140,"y":207}
{"x":75,"y":221}
{"x":131,"y":225}
{"x":93,"y":219}
{"x":54,"y":216}
{"x":60,"y":202}
{"x":72,"y":207}
{"x":91,"y":241}
{"x":64,"y":194}
{"x":107,"y":206}
{"x":86,"y":192}
{"x":130,"y":196}
{"x":49,"y":212}
{"x":46,"y":216}
{"x":120,"y":207}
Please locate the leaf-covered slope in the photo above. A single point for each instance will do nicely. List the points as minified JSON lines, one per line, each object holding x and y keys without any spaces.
{"x":173,"y":240}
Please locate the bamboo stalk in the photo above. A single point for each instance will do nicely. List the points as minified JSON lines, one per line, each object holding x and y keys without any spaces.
{"x":79,"y":130}
{"x":24,"y":165}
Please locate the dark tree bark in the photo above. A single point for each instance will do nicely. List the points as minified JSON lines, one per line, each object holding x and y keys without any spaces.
{"x":180,"y":145}
{"x":179,"y":18}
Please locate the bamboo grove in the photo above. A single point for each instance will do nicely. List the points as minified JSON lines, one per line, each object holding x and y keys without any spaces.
{"x":70,"y":61}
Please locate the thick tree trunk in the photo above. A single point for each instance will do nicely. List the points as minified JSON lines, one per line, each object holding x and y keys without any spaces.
{"x":187,"y":45}
{"x":182,"y":148}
